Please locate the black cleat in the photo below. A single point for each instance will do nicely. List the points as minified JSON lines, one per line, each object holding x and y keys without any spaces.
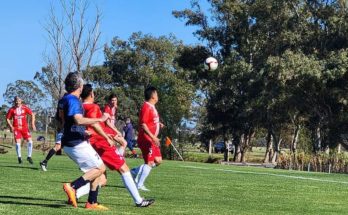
{"x":43,"y":166}
{"x":145,"y":203}
{"x":30,"y":160}
{"x":20,"y":160}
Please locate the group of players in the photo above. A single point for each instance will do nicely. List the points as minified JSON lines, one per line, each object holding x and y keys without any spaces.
{"x":89,"y":137}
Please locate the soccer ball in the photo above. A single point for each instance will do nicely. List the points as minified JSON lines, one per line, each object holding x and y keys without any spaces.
{"x":210,"y":64}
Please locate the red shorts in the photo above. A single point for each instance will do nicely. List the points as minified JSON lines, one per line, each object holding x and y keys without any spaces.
{"x":21,"y":133}
{"x":108,"y":154}
{"x":149,"y":150}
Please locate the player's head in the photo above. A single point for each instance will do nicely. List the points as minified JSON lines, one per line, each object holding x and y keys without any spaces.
{"x":128,"y":120}
{"x":87,"y":92}
{"x":150,"y":94}
{"x":17,"y":101}
{"x":73,"y":82}
{"x":112,"y":99}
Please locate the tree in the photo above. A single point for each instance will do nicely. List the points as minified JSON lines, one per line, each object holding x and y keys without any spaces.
{"x":141,"y":61}
{"x":73,"y":41}
{"x":28,"y":91}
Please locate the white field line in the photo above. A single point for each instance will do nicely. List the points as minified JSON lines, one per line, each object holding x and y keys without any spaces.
{"x":269,"y":174}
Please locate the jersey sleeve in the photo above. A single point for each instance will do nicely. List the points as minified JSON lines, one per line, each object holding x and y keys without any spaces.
{"x":107,"y":109}
{"x":9,"y":114}
{"x":28,"y":110}
{"x":75,"y":107}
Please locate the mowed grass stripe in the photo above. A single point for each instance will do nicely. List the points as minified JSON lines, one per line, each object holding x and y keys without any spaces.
{"x":202,"y":189}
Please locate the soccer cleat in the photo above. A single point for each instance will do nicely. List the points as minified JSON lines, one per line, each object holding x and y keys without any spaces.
{"x":19,"y":160}
{"x":143,"y":188}
{"x":43,"y":166}
{"x":30,"y":160}
{"x":95,"y":206}
{"x":71,"y":193}
{"x":145,"y":203}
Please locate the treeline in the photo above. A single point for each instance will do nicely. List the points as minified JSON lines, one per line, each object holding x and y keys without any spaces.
{"x":283,"y":72}
{"x":282,"y":75}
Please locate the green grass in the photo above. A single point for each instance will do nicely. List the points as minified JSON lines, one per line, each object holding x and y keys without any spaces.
{"x":179,"y":188}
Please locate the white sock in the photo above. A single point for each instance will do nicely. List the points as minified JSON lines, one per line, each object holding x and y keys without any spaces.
{"x":131,"y":187}
{"x":137,"y":172}
{"x":143,"y":174}
{"x":84,"y":190}
{"x":30,"y":148}
{"x":18,"y":150}
{"x":120,"y":151}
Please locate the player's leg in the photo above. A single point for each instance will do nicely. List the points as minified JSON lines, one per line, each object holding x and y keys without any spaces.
{"x":114,"y":161}
{"x":84,"y":190}
{"x":30,"y":148}
{"x":52,"y":152}
{"x":154,"y":158}
{"x":92,"y":202}
{"x":132,"y":188}
{"x":90,"y":163}
{"x":18,"y":137}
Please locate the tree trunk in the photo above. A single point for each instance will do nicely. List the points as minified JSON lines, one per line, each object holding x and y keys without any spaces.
{"x":210,"y":147}
{"x":276,"y":146}
{"x":294,"y":142}
{"x":317,"y":139}
{"x":247,"y":140}
{"x":268,"y":153}
{"x":237,"y":152}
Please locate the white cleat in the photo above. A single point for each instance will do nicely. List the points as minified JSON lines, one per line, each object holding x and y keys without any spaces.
{"x":43,"y":166}
{"x":143,"y":188}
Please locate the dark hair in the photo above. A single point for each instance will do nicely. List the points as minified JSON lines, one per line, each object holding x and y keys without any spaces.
{"x":86,"y":91}
{"x":148,"y":92}
{"x":72,"y":81}
{"x":111,"y":96}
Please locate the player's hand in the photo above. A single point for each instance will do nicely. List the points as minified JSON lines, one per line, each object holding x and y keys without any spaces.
{"x":11,"y":129}
{"x":34,"y":127}
{"x":110,"y":141}
{"x":105,"y":117}
{"x":156,"y":141}
{"x":161,"y":125}
{"x":120,"y":140}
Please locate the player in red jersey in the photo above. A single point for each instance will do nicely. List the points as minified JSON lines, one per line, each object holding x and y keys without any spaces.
{"x":19,"y":126}
{"x":149,"y":127}
{"x":102,"y":139}
{"x":111,"y":108}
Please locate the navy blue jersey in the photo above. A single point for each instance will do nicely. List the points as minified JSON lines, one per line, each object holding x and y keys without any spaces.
{"x":73,"y":134}
{"x":129,"y":132}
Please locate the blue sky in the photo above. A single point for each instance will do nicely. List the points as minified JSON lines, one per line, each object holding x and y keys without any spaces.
{"x":23,"y":39}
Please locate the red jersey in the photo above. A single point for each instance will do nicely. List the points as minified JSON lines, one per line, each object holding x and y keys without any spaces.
{"x":19,"y":116}
{"x":112,"y":111}
{"x":93,"y":111}
{"x":150,"y":117}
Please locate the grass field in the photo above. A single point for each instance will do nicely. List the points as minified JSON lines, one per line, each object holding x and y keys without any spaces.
{"x":178,"y":187}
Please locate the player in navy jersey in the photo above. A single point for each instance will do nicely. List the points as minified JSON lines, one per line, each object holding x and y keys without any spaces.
{"x":75,"y":144}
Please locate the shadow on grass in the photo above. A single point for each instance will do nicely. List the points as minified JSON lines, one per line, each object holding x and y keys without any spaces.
{"x":16,"y":200}
{"x":116,"y":186}
{"x":19,"y":166}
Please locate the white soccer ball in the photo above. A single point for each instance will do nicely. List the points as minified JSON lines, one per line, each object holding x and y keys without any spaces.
{"x":210,"y":64}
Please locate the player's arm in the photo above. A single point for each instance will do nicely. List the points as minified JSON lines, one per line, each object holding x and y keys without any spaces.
{"x":9,"y":115}
{"x":80,"y":120}
{"x":33,"y":121}
{"x":112,"y":126}
{"x":97,"y":128}
{"x":9,"y":124}
{"x":148,"y":132}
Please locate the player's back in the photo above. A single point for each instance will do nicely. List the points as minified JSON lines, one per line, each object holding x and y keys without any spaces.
{"x":73,"y":134}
